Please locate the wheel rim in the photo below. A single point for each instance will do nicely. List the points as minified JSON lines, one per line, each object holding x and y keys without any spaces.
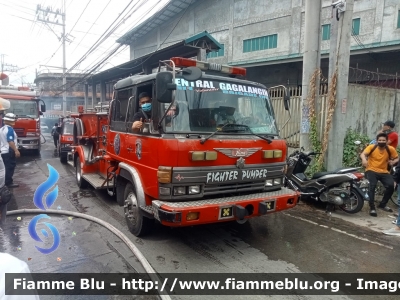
{"x":353,"y":203}
{"x":131,"y":209}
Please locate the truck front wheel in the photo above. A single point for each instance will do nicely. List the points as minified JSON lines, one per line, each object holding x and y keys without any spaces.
{"x":80,"y":181}
{"x":138,"y":224}
{"x":63,"y":157}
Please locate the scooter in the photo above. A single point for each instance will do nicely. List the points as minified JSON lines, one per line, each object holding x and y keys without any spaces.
{"x":339,"y":187}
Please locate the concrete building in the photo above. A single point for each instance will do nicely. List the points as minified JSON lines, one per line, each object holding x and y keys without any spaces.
{"x":267,"y":36}
{"x":50,"y":87}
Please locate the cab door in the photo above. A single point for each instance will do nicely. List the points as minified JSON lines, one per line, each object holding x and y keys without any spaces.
{"x":116,"y":143}
{"x":142,"y":148}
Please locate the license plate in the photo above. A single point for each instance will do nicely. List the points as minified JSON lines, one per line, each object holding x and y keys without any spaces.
{"x":226,"y":212}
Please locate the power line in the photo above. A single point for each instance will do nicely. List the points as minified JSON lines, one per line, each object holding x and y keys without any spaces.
{"x":184,"y":12}
{"x":80,"y":16}
{"x":99,"y":64}
{"x":101,"y":38}
{"x":16,"y":5}
{"x":91,"y":26}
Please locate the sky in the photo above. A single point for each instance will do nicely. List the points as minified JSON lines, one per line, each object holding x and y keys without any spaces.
{"x":34,"y":46}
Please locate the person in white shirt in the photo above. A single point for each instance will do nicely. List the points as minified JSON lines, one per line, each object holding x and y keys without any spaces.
{"x":9,"y":148}
{"x":11,"y":264}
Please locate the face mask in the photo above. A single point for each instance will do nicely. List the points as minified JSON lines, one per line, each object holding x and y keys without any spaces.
{"x":382,"y":145}
{"x":146,"y":107}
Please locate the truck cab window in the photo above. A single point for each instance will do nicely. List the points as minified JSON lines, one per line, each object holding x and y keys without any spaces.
{"x":144,"y":95}
{"x":119,"y":110}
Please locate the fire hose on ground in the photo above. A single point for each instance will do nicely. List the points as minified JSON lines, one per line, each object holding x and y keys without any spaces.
{"x":146,"y":265}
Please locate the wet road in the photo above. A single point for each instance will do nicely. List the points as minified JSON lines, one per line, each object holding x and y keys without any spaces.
{"x":303,"y":239}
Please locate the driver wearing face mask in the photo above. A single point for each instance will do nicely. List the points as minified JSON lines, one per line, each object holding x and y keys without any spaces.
{"x":144,"y":114}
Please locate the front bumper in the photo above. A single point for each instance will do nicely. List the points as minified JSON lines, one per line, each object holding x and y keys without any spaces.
{"x":29,"y":143}
{"x":65,"y":149}
{"x":222,"y":209}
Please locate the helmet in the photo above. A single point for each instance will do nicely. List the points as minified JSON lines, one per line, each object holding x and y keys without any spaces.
{"x":10,"y":117}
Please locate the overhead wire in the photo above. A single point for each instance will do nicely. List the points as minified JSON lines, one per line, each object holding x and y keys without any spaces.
{"x":118,"y":46}
{"x":99,"y":40}
{"x":83,"y":11}
{"x":360,"y":43}
{"x":16,"y":5}
{"x":91,"y":26}
{"x":96,"y":65}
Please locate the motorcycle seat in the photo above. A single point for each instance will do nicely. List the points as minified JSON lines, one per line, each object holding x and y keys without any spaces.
{"x":337,"y":171}
{"x":320,"y":174}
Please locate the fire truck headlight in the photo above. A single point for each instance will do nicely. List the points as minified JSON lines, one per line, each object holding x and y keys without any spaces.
{"x":268,"y":182}
{"x":277,"y":181}
{"x":179,"y":190}
{"x":194,"y":189}
{"x":164,"y":191}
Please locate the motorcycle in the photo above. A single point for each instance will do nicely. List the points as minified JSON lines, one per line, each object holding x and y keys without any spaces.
{"x":340,"y":187}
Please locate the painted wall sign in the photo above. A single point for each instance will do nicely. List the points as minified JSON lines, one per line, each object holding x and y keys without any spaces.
{"x":344,"y":106}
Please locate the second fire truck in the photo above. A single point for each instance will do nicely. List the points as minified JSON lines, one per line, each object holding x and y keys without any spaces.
{"x":25,"y":104}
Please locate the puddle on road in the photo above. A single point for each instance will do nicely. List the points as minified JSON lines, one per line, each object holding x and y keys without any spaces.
{"x":86,"y":194}
{"x":74,"y":199}
{"x":10,"y":237}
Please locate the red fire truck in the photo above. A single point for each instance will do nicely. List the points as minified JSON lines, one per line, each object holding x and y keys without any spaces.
{"x":209,"y":151}
{"x":66,"y":139}
{"x":25,"y":104}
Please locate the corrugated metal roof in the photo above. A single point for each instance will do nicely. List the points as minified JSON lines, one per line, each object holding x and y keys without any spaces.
{"x":170,"y":10}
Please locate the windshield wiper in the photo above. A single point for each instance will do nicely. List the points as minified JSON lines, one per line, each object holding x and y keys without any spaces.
{"x":247,"y":128}
{"x":25,"y":116}
{"x":203,"y":140}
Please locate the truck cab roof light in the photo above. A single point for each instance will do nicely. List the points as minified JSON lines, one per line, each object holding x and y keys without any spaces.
{"x":205,"y":66}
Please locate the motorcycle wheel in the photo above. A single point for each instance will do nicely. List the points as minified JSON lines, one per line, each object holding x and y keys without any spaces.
{"x":356,"y":203}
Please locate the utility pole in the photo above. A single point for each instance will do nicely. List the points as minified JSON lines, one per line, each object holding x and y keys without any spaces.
{"x":311,"y":62}
{"x":7,"y":67}
{"x":339,"y":61}
{"x":2,"y":62}
{"x":43,"y":16}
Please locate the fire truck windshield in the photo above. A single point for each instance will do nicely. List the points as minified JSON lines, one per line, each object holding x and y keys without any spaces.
{"x":24,"y":108}
{"x":207,"y":105}
{"x":68,"y":128}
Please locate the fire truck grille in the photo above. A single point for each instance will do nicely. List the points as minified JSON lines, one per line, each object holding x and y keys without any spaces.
{"x":233,"y":188}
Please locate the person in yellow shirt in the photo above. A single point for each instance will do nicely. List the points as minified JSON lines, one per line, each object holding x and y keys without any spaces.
{"x":376,"y":159}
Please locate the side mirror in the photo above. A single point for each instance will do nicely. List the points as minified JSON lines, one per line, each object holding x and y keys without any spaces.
{"x":43,"y":108}
{"x":286,"y":102}
{"x":41,"y":113}
{"x":164,"y":87}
